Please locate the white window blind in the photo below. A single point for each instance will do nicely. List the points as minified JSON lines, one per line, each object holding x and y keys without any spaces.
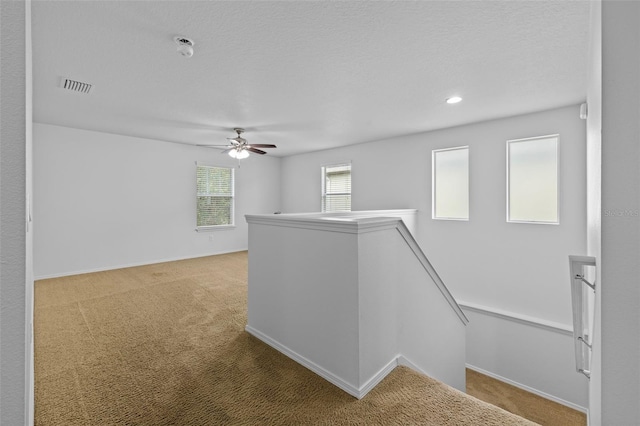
{"x":532,"y":180}
{"x":336,"y":188}
{"x":215,"y":196}
{"x":450,"y":183}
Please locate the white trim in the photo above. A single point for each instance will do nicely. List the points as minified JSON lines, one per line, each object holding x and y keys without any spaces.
{"x":348,"y":225}
{"x":529,"y":389}
{"x":328,"y":376}
{"x":533,"y":222}
{"x":404,"y":361}
{"x":378,"y":377}
{"x":130,"y":265}
{"x":556,"y":327}
{"x":354,"y":391}
{"x":336,"y":163}
{"x":219,"y":166}
{"x":355,"y":213}
{"x":212,"y":228}
{"x":552,"y":135}
{"x":358,"y":393}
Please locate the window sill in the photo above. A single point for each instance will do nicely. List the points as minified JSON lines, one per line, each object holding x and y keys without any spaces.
{"x":215,"y":228}
{"x":533,"y":222}
{"x":455,"y":219}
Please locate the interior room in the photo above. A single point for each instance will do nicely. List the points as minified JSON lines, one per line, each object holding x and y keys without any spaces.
{"x":120,"y":114}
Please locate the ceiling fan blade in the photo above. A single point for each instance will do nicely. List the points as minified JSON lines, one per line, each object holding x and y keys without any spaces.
{"x":263,"y":145}
{"x":257,"y":151}
{"x":217,"y":146}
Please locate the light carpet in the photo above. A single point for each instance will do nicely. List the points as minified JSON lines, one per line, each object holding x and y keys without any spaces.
{"x":165,"y":344}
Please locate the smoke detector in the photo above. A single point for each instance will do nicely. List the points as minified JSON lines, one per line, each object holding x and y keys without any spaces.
{"x":185,"y":46}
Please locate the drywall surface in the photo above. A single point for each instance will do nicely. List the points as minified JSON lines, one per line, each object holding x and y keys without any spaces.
{"x":15,"y":314}
{"x":532,"y":356}
{"x":514,"y":267}
{"x":298,"y":301}
{"x":511,"y":266}
{"x":105,"y":201}
{"x":620,"y":301}
{"x":349,"y":298}
{"x":594,"y":200}
{"x":29,"y":295}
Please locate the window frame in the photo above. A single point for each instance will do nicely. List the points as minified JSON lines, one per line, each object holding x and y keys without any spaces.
{"x":433,"y":183}
{"x":232,"y":225}
{"x":557,"y":171}
{"x":323,"y":193}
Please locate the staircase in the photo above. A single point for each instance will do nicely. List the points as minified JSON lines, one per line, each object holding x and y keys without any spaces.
{"x":351,"y":296}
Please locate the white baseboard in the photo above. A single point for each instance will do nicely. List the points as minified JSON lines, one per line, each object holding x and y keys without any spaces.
{"x":529,"y":389}
{"x":377,"y":378}
{"x":358,"y":392}
{"x":404,"y":361}
{"x":131,"y":265}
{"x":330,"y":377}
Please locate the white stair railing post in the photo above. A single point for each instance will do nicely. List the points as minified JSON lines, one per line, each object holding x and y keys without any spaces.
{"x":582,"y":326}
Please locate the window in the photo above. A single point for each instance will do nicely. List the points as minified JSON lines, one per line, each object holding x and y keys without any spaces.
{"x":336,"y":188}
{"x":450,"y":183}
{"x":532,"y":180}
{"x":215,"y":196}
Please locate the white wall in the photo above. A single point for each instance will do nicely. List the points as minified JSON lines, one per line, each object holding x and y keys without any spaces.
{"x":104,"y":201}
{"x":502,"y":261}
{"x":512,"y":267}
{"x":16,"y":297}
{"x":375,"y":306}
{"x":620,"y":265}
{"x":527,"y":353}
{"x":29,"y":295}
{"x":594,"y":200}
{"x":307,"y":308}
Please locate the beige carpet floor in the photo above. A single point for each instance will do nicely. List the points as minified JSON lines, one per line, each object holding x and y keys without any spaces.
{"x":521,"y":402}
{"x":165,"y":344}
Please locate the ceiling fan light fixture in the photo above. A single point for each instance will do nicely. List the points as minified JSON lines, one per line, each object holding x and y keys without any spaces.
{"x":454,"y":100}
{"x":239,"y":153}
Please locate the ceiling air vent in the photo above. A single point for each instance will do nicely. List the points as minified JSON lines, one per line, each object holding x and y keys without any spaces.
{"x":75,"y":86}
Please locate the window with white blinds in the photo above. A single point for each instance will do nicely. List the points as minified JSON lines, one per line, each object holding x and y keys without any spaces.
{"x":336,"y":188}
{"x":215,"y":196}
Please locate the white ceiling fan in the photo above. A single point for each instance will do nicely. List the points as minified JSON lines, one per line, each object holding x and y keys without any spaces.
{"x":239,"y":148}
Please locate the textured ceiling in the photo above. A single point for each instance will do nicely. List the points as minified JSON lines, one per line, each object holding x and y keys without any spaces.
{"x":304,"y":75}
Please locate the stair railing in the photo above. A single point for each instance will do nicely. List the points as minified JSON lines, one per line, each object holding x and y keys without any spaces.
{"x":582,"y":269}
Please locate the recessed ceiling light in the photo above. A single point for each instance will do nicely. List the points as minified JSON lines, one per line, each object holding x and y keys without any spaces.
{"x":454,"y":99}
